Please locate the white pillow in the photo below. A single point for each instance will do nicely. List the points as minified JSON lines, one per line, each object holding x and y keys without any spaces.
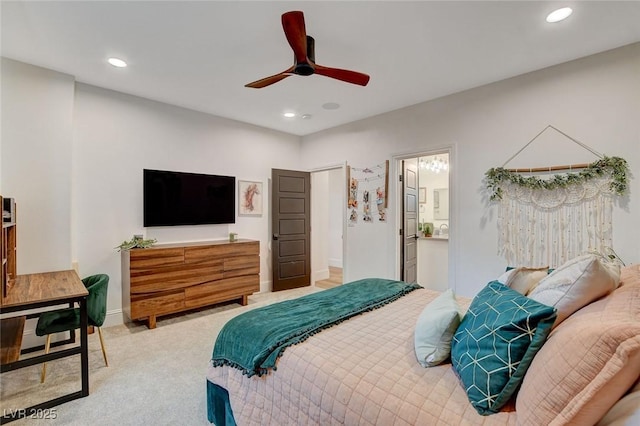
{"x":523,"y":279}
{"x":502,"y":279}
{"x":435,"y":328}
{"x":577,"y":283}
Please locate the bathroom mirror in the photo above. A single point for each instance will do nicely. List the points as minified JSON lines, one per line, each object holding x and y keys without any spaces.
{"x":441,"y":204}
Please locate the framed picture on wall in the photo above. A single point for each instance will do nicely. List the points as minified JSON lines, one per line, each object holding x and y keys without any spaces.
{"x":249,"y":198}
{"x":422,"y":195}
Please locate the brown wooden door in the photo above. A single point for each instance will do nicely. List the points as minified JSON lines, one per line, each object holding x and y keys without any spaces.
{"x":291,"y":225}
{"x":410,"y":220}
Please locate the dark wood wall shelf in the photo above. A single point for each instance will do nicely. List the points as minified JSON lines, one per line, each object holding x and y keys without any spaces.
{"x":8,"y":253}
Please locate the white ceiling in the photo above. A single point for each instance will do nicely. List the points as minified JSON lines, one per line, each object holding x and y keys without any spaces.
{"x":200,"y":54}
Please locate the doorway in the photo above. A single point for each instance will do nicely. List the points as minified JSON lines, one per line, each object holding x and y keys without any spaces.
{"x":327,"y":224}
{"x":431,"y":244}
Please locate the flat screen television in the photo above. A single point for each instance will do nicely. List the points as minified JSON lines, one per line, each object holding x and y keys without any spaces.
{"x":178,"y":198}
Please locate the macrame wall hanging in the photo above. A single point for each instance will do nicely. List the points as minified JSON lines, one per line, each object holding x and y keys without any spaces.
{"x":545,"y":220}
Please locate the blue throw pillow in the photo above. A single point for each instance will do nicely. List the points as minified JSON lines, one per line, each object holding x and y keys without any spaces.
{"x":496,"y":342}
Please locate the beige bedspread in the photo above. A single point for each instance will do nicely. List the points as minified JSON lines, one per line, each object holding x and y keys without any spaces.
{"x":363,"y":371}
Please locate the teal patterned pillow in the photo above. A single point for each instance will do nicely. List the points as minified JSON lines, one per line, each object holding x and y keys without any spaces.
{"x":496,"y":342}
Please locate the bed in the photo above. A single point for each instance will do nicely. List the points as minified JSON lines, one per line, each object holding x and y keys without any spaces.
{"x":364,"y":371}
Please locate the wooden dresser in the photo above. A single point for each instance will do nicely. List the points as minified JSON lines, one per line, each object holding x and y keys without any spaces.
{"x":170,"y":278}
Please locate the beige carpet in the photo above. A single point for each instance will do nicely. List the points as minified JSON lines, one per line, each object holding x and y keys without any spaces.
{"x":154,"y":376}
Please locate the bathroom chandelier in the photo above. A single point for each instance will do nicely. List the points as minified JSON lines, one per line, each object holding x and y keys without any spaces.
{"x":436,"y":164}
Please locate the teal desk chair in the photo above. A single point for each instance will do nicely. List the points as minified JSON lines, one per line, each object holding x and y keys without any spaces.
{"x":69,"y":319}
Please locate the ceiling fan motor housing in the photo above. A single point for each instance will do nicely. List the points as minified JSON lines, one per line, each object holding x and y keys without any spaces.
{"x":305,"y":68}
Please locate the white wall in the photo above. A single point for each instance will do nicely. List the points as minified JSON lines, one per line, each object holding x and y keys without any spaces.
{"x":116,"y":136}
{"x":328,"y":189}
{"x":73,"y":156}
{"x":37,"y":117}
{"x":319,"y":225}
{"x":595,"y":100}
{"x":337,"y":212}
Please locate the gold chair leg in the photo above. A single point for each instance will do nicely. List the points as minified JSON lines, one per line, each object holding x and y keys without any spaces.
{"x":47,"y":345}
{"x":104,"y":352}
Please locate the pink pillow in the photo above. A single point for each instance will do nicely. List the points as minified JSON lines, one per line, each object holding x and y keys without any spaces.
{"x":588,"y":362}
{"x":626,"y":411}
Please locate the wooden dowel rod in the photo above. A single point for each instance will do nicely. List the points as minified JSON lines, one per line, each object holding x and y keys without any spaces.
{"x":551,"y":168}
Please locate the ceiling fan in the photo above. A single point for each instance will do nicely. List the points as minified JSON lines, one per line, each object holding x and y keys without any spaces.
{"x":304,"y":56}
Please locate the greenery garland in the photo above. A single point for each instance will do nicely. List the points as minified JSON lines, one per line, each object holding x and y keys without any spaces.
{"x":616,"y":167}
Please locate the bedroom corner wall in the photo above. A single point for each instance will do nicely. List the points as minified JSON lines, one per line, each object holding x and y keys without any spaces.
{"x":73,"y":154}
{"x":37,"y":120}
{"x":594,"y":99}
{"x":117,"y":135}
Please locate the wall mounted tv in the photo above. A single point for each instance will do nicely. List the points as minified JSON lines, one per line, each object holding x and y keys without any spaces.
{"x":177,"y":198}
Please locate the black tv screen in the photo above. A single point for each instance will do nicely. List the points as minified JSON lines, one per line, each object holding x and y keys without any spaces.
{"x":177,"y":198}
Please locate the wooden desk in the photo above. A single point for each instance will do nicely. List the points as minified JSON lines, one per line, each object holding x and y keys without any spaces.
{"x":42,"y":290}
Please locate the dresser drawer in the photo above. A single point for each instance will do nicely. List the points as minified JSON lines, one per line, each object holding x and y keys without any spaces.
{"x":196,"y":254}
{"x":175,"y":277}
{"x":156,"y":305}
{"x":141,"y":259}
{"x":241,"y":262}
{"x":221,"y":290}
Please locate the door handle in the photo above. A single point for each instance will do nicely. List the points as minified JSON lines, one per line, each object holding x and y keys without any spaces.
{"x":275,"y":236}
{"x":415,"y":236}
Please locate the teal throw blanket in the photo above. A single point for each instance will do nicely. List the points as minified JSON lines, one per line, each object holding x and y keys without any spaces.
{"x":253,"y":341}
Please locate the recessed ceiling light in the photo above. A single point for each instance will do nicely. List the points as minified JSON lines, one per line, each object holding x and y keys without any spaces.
{"x":306,"y":116}
{"x":559,"y":14}
{"x":117,"y":62}
{"x":331,"y":105}
{"x":289,"y":114}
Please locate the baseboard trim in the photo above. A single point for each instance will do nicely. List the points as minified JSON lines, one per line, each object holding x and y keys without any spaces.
{"x":115,"y":317}
{"x":321,"y":275}
{"x":336,"y":263}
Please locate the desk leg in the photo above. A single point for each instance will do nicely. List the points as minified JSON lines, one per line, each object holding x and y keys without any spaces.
{"x":84,"y":345}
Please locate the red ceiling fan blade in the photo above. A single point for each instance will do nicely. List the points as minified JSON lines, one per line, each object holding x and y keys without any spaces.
{"x":264,"y":82}
{"x":343,"y":75}
{"x":293,"y":25}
